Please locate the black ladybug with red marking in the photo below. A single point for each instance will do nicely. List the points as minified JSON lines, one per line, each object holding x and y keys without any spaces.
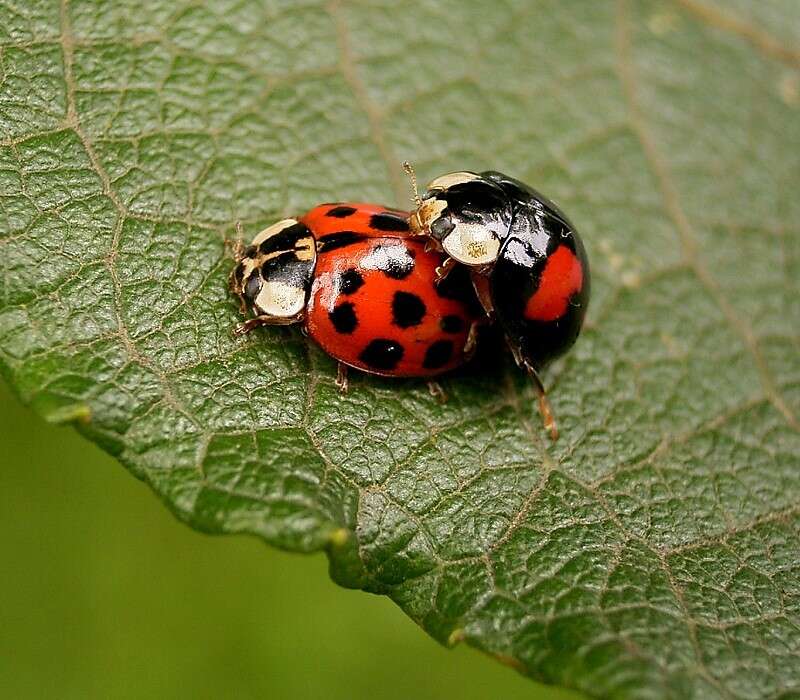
{"x":528,"y":264}
{"x":363,"y":288}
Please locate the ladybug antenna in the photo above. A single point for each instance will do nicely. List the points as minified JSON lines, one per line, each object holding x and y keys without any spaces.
{"x":413,"y":177}
{"x":236,"y":246}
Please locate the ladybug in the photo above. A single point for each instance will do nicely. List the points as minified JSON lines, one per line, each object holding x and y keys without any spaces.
{"x":527,"y":262}
{"x":363,"y":288}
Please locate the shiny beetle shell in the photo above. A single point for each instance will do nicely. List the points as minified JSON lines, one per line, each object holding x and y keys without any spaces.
{"x":528,"y":263}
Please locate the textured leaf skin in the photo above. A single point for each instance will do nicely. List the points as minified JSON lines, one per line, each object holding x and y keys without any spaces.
{"x":653,"y":551}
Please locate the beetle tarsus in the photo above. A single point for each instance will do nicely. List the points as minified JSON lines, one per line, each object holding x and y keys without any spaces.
{"x":444,"y":269}
{"x":437,"y":392}
{"x":265,"y":320}
{"x":545,"y":409}
{"x":471,"y":344}
{"x":342,"y":382}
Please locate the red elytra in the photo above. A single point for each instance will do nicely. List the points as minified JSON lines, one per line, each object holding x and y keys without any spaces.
{"x":374,"y":303}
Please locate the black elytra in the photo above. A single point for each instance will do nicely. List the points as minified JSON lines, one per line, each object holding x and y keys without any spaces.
{"x":538,"y":229}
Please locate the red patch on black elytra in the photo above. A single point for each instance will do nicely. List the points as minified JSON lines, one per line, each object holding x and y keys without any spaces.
{"x":561,"y":278}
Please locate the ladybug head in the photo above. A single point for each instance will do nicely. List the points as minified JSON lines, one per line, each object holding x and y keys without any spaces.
{"x":246,"y":280}
{"x":467,"y":216}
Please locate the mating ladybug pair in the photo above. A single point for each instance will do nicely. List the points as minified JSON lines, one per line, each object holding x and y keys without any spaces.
{"x":399,"y":294}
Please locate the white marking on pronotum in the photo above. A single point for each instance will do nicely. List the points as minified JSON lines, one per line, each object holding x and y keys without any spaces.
{"x":280,"y":299}
{"x":471,"y":244}
{"x":458,"y":178}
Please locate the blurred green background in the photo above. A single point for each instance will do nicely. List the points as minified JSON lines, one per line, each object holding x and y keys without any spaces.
{"x":105,"y":595}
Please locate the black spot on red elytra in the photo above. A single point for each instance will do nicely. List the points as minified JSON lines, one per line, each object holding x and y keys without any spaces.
{"x":388,"y":222}
{"x":340,"y":239}
{"x":452,"y":324}
{"x":382,"y":354}
{"x":341,"y":212}
{"x":350,"y":281}
{"x":343,"y":318}
{"x":438,"y":354}
{"x":394,"y":261}
{"x":407,"y":310}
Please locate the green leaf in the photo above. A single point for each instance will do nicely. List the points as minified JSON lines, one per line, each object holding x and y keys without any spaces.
{"x":652,"y":551}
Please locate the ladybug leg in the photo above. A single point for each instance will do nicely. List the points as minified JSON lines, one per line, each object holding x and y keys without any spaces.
{"x":444,"y":269}
{"x":341,"y":377}
{"x":480,"y":284}
{"x":437,"y":392}
{"x":430,"y":244}
{"x":545,"y":409}
{"x":265,"y":320}
{"x":472,"y":339}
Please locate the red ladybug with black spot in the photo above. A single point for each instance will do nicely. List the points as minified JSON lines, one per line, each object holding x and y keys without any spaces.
{"x":527,"y":262}
{"x":364,"y":289}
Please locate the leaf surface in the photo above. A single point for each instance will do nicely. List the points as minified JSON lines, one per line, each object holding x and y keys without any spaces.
{"x":653,"y":550}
